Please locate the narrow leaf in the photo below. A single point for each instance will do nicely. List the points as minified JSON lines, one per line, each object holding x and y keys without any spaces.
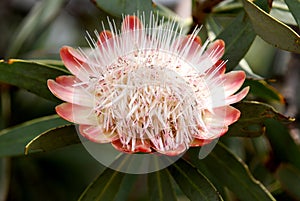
{"x":263,"y":4}
{"x":105,"y":187}
{"x":160,"y":186}
{"x":294,"y":6}
{"x":192,"y":182}
{"x":13,"y":140}
{"x":281,"y":12}
{"x":125,"y":189}
{"x":251,"y":122}
{"x":30,"y":75}
{"x":117,"y":8}
{"x":243,"y":65}
{"x":53,"y":139}
{"x":40,"y":16}
{"x":289,"y":178}
{"x":53,"y":63}
{"x":261,"y":89}
{"x":225,"y":168}
{"x":272,"y":30}
{"x":283,"y":146}
{"x":238,"y":37}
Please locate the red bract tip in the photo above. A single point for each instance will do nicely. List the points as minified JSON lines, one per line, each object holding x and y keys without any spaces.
{"x":131,"y":23}
{"x":104,"y":36}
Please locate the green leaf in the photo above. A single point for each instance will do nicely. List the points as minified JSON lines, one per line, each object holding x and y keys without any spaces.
{"x":40,"y":16}
{"x":263,"y":4}
{"x":126,"y":187}
{"x":13,"y":140}
{"x":53,"y":139}
{"x":238,"y":37}
{"x":289,"y":178}
{"x":228,"y":7}
{"x":294,"y":6}
{"x":253,"y":115}
{"x":117,"y":8}
{"x":283,"y":146}
{"x":160,"y":186}
{"x":281,"y":12}
{"x":225,"y":168}
{"x":261,"y":89}
{"x":103,"y":188}
{"x":243,"y":65}
{"x":30,"y":75}
{"x":54,"y":63}
{"x":193,"y":183}
{"x":272,"y":30}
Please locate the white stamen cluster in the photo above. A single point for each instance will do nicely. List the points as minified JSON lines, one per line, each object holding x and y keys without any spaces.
{"x":149,"y":89}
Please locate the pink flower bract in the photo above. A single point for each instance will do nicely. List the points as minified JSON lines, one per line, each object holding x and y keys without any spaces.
{"x":149,"y":88}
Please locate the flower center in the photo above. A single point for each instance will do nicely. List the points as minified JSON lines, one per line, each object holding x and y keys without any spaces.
{"x":154,"y":96}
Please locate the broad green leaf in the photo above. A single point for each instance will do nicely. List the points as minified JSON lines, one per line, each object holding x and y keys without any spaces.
{"x":261,"y":89}
{"x":253,"y":115}
{"x":283,"y":146}
{"x":40,"y":16}
{"x":238,"y":37}
{"x":289,"y":178}
{"x":272,"y":30}
{"x":13,"y":140}
{"x":30,"y":75}
{"x":225,"y":168}
{"x":294,"y":6}
{"x":160,"y":186}
{"x":53,"y":139}
{"x":192,"y":182}
{"x":104,"y":188}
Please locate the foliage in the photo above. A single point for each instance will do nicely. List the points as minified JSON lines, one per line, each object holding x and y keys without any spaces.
{"x":263,"y":165}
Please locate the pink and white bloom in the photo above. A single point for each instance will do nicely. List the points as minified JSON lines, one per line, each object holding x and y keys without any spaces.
{"x":149,"y":88}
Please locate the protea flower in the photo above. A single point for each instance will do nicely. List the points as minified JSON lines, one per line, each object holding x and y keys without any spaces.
{"x":149,"y":88}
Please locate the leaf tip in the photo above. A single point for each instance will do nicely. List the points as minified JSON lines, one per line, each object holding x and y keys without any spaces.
{"x":11,"y":61}
{"x":26,"y":150}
